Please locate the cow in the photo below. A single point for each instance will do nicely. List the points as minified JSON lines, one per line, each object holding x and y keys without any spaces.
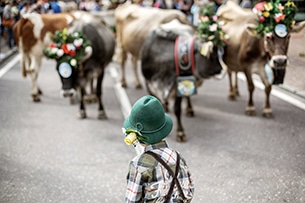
{"x":159,"y":65}
{"x":133,"y":23}
{"x":32,"y":35}
{"x":249,"y":53}
{"x":91,"y":69}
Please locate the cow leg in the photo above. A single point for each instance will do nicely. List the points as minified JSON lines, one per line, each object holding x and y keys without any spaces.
{"x":33,"y":71}
{"x":189,"y":108}
{"x":231,"y":95}
{"x":267,"y":111}
{"x":35,"y":91}
{"x":180,"y":131}
{"x":82,"y":111}
{"x":135,"y":71}
{"x":123,"y":62}
{"x":235,"y":85}
{"x":250,"y":109}
{"x":101,"y":112}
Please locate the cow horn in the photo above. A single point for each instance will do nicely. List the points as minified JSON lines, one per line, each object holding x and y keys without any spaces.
{"x":88,"y":53}
{"x":251,"y":29}
{"x":298,"y":27}
{"x":206,"y":49}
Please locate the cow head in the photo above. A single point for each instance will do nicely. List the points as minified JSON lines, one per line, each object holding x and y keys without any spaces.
{"x":208,"y":59}
{"x":276,"y":47}
{"x":68,"y":76}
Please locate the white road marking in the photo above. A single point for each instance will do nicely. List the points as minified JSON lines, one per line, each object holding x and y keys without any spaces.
{"x":279,"y":94}
{"x":10,"y":65}
{"x":120,"y":93}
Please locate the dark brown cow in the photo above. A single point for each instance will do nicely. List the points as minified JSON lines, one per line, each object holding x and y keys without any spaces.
{"x":248,"y":53}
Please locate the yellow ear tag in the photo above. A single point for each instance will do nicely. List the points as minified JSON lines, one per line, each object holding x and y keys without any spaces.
{"x":130,"y":138}
{"x":203,"y":51}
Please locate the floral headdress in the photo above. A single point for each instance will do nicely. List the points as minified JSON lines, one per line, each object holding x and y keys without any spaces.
{"x":209,"y":28}
{"x":274,"y":17}
{"x":68,"y":48}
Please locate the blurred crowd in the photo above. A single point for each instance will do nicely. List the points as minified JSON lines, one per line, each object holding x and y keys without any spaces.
{"x":12,"y":10}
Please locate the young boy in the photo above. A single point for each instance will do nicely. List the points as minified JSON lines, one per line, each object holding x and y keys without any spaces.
{"x":160,"y":174}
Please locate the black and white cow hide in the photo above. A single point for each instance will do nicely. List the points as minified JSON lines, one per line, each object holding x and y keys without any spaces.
{"x":92,"y":69}
{"x":159,"y":69}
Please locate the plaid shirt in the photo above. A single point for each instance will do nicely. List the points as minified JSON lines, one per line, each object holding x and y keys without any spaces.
{"x":148,"y":180}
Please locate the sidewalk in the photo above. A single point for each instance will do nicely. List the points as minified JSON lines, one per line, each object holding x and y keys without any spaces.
{"x":295,"y":73}
{"x":5,"y":52}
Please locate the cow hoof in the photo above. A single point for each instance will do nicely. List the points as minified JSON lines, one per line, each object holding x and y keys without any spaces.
{"x":250,"y":111}
{"x":39,"y":91}
{"x":82,"y":114}
{"x":123,"y":84}
{"x":231,"y":96}
{"x":102,"y":115}
{"x":36,"y":98}
{"x":190,"y":113}
{"x":138,"y":86}
{"x":181,"y":137}
{"x":267,"y":113}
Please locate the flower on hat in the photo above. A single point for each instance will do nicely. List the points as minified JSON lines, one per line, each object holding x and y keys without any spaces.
{"x":66,"y":47}
{"x":209,"y":28}
{"x":273,"y":13}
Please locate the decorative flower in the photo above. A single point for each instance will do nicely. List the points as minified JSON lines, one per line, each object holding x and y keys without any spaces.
{"x":66,"y":47}
{"x":60,"y":53}
{"x":73,"y":62}
{"x":209,"y":28}
{"x":273,"y":13}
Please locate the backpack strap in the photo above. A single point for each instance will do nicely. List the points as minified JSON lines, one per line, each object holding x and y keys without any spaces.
{"x":174,"y":175}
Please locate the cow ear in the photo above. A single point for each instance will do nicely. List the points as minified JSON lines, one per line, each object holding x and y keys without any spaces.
{"x":251,"y":30}
{"x":298,"y":27}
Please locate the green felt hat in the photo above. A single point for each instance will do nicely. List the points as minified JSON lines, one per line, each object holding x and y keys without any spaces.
{"x":147,"y":116}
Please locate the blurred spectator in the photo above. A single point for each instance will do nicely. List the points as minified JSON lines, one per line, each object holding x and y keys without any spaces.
{"x":185,"y":7}
{"x":25,"y":9}
{"x":245,"y":4}
{"x":160,"y":4}
{"x":83,"y":5}
{"x":2,"y":4}
{"x":9,"y":15}
{"x":96,"y":6}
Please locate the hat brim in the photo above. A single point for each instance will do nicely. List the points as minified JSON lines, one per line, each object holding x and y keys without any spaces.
{"x":155,"y":136}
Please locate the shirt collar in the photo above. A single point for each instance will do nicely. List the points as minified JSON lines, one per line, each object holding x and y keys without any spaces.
{"x":158,"y":145}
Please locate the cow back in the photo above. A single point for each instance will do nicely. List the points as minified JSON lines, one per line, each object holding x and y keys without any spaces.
{"x":102,"y":41}
{"x":34,"y":27}
{"x":133,"y":25}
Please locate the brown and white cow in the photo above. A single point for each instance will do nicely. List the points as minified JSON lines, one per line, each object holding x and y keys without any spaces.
{"x":32,"y":34}
{"x":133,"y":23}
{"x":248,"y":53}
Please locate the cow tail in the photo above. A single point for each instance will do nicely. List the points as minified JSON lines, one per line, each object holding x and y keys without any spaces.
{"x":17,"y":30}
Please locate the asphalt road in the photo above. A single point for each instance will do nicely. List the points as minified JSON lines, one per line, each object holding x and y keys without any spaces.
{"x":48,"y":155}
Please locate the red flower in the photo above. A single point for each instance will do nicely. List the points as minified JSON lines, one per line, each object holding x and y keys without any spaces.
{"x":72,"y":53}
{"x":260,"y":6}
{"x":261,"y":19}
{"x":52,"y":45}
{"x":65,"y":48}
{"x":279,"y":17}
